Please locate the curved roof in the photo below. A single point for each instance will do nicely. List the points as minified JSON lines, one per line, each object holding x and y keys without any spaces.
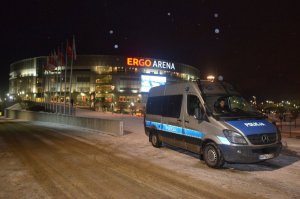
{"x":102,"y":60}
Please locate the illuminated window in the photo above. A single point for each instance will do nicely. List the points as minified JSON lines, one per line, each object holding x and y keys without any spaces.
{"x":104,"y":89}
{"x":104,"y":69}
{"x":104,"y":80}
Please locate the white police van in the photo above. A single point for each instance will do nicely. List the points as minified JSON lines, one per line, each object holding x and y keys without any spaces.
{"x":187,"y":115}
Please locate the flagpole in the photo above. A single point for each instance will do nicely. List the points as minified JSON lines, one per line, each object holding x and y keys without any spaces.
{"x":55,"y":81}
{"x":56,"y":88}
{"x":51,"y":83}
{"x":44,"y":80}
{"x":70,"y":93}
{"x":60,"y":76}
{"x":44,"y":102}
{"x":65,"y":79}
{"x":60,"y":86}
{"x":52,"y":93}
{"x":46,"y":99}
{"x":73,"y":56}
{"x":45,"y":85}
{"x":49,"y":94}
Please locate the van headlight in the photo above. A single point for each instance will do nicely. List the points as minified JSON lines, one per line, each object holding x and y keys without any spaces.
{"x":234,"y":137}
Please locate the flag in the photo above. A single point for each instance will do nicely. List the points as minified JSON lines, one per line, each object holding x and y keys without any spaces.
{"x":55,"y":59}
{"x":74,"y":49}
{"x":71,"y":50}
{"x":50,"y":66}
{"x":60,"y":57}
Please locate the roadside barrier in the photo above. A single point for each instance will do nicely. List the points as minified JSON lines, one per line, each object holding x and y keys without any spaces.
{"x":112,"y":127}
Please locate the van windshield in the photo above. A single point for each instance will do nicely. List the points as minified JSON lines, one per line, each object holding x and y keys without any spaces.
{"x":230,"y":107}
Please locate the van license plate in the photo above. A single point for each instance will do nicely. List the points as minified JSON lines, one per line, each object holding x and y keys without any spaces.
{"x":266,"y":156}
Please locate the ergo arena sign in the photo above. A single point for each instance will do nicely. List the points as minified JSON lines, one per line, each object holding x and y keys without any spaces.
{"x":150,"y":63}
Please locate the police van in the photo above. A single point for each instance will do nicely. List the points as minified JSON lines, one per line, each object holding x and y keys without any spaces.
{"x":211,"y":119}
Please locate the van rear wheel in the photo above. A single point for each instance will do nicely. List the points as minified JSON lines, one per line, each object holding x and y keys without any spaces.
{"x":213,"y":156}
{"x":155,"y":140}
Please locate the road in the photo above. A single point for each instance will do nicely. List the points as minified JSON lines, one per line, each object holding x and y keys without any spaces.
{"x":60,"y":166}
{"x":40,"y":160}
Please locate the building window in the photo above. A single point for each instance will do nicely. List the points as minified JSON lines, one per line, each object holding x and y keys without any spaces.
{"x":104,"y":69}
{"x":104,"y":80}
{"x":83,"y":79}
{"x":104,"y":89}
{"x":129,"y":83}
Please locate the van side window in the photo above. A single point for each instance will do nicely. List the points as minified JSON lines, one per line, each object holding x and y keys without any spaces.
{"x":168,"y":106}
{"x":154,"y":105}
{"x":193,"y":103}
{"x":172,"y":106}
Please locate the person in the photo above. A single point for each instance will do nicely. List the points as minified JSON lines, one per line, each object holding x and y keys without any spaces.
{"x":222,"y":104}
{"x":221,"y":107}
{"x":72,"y":102}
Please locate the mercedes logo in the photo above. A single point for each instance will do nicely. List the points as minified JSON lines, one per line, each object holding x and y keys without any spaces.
{"x":265,"y":139}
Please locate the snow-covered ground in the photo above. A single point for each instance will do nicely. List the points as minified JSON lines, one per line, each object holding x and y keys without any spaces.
{"x":276,"y":178}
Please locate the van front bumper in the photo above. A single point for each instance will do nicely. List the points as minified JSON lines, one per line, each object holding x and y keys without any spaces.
{"x":249,"y":154}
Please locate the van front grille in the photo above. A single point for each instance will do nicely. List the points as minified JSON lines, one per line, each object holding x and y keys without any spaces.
{"x":261,"y":139}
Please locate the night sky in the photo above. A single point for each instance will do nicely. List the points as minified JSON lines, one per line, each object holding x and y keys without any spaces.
{"x":252,"y":44}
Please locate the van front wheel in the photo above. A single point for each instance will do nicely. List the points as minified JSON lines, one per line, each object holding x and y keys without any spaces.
{"x":213,"y":156}
{"x":155,"y":140}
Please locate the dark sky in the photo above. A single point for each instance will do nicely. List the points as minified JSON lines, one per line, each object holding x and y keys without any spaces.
{"x":256,"y":49}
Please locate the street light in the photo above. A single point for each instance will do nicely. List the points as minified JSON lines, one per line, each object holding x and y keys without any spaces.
{"x":210,"y":78}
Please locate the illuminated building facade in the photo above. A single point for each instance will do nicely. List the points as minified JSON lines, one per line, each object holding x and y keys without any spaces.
{"x":100,"y":81}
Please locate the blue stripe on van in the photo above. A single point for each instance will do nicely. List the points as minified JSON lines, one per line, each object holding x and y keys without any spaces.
{"x":175,"y":129}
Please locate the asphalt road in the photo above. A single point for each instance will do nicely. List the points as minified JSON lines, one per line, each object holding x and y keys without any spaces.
{"x":49,"y":162}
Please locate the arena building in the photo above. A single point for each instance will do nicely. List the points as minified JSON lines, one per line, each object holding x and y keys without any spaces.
{"x":99,"y":81}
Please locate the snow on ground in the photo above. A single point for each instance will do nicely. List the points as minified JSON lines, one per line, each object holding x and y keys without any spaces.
{"x":276,"y":178}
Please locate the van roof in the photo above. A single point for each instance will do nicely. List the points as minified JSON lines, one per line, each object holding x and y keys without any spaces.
{"x":169,"y":89}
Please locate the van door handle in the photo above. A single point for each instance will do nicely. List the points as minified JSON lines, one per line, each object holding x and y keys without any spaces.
{"x":186,"y":121}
